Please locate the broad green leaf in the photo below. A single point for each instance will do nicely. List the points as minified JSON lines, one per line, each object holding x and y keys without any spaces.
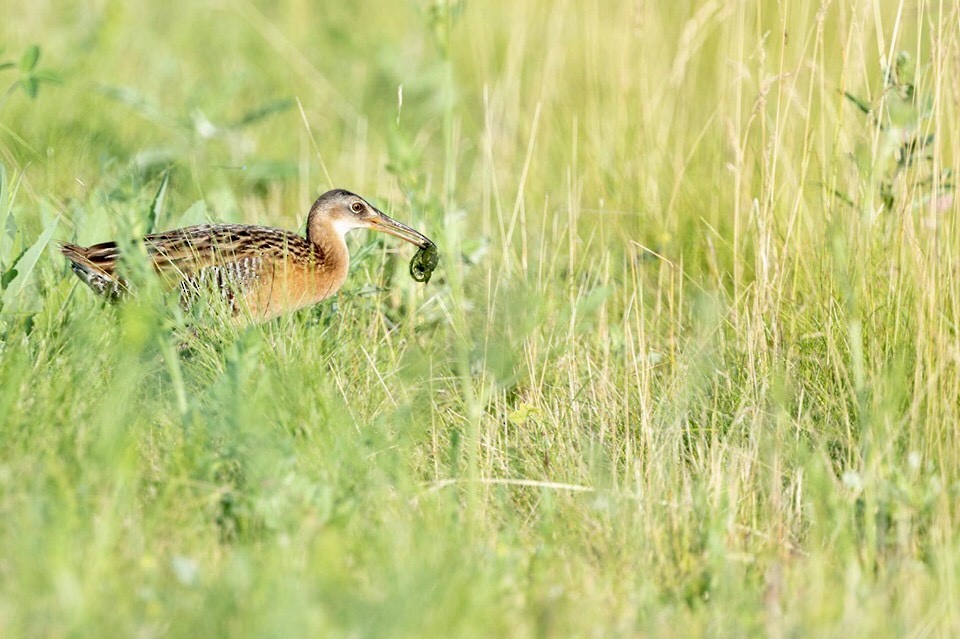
{"x":29,"y":59}
{"x":27,"y":262}
{"x":8,"y":275}
{"x":50,"y":77}
{"x":30,"y":85}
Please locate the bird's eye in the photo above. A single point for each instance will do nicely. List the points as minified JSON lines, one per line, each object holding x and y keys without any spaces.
{"x":357,"y":207}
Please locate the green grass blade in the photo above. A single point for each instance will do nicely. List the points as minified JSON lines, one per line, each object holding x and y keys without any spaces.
{"x":26,"y":262}
{"x":156,"y":207}
{"x":29,"y":59}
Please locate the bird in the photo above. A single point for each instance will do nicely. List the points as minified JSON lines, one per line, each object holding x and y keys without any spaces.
{"x":259,"y":272}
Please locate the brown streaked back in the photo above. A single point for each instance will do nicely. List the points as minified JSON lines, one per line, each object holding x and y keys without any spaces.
{"x":231,"y":258}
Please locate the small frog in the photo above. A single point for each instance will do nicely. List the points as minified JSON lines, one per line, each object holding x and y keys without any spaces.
{"x":424,"y":261}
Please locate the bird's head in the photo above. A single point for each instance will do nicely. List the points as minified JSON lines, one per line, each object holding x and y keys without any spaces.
{"x":341,"y":211}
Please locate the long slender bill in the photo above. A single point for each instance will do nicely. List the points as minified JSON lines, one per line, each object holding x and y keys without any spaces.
{"x":389,"y":225}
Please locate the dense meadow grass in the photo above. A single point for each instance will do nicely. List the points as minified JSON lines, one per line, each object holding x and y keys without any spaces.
{"x":690,"y":365}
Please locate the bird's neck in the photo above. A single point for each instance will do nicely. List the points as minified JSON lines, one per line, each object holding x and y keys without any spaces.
{"x":323,"y":236}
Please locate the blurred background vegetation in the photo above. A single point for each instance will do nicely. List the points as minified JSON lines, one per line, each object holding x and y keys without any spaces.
{"x":690,"y":363}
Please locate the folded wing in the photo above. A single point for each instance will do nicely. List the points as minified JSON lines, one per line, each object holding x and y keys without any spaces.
{"x":229,"y":259}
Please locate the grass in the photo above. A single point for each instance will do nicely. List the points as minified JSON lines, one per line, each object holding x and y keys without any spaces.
{"x":690,"y":364}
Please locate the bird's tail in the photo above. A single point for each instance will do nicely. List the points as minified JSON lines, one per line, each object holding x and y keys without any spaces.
{"x":102,"y":282}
